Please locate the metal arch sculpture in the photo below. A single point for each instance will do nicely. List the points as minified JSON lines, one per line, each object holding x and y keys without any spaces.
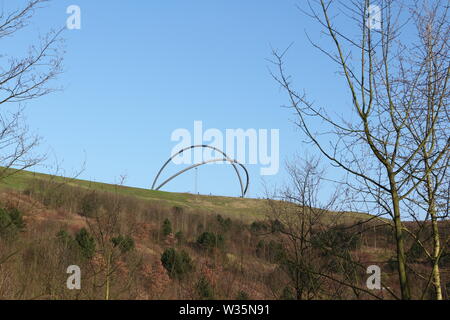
{"x":226,"y":158}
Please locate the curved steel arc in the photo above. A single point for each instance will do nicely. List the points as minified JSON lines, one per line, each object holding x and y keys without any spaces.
{"x":209,"y":147}
{"x":231,"y":161}
{"x":203,"y":163}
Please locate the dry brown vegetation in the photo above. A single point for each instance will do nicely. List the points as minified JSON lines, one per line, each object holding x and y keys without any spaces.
{"x":251,"y":261}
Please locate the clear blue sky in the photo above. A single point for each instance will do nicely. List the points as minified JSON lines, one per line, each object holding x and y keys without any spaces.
{"x":137,"y":70}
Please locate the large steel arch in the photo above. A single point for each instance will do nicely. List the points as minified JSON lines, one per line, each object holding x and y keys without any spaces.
{"x":226,"y":158}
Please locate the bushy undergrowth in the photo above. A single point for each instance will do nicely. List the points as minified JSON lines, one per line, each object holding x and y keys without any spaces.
{"x":210,"y":240}
{"x":124,"y":243}
{"x":204,"y":289}
{"x":86,"y":243}
{"x":11,"y":222}
{"x":177,"y":263}
{"x":147,"y":249}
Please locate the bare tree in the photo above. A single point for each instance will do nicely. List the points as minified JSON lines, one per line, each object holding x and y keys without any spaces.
{"x":429,"y":113}
{"x":294,"y":219}
{"x":106,"y":225}
{"x":22,"y":79}
{"x":372,"y":143}
{"x":316,"y":237}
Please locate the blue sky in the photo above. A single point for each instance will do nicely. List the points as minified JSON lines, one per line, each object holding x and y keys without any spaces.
{"x":138,"y":70}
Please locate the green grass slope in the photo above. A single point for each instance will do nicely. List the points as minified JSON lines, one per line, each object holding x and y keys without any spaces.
{"x":246,"y":209}
{"x":243,"y":208}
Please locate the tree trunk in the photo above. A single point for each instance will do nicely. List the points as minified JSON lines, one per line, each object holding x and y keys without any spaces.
{"x":436,"y":252}
{"x":108,"y":266}
{"x":401,"y":258}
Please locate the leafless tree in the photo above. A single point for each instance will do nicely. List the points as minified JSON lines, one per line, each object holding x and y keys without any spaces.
{"x":429,"y":113}
{"x":315,"y":236}
{"x":384,"y":76}
{"x":22,"y":79}
{"x":106,"y":225}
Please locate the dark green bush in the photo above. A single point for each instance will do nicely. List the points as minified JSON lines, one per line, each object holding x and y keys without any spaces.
{"x":415,"y":253}
{"x":392,"y":263}
{"x":65,"y":238}
{"x":224,"y":224}
{"x":276,"y":226}
{"x":260,"y":249}
{"x":177,"y":210}
{"x":258,"y":227}
{"x":336,"y":240}
{"x":242,"y":295}
{"x":166,"y":227}
{"x":11,"y":222}
{"x":204,"y":289}
{"x":177,"y":263}
{"x":209,"y":240}
{"x":86,"y":243}
{"x":125,"y":244}
{"x":89,"y":205}
{"x":180,"y":237}
{"x":275,"y":251}
{"x":16,"y":218}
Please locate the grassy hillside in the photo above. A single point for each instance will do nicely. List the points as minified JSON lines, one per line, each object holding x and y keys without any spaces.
{"x":246,"y":209}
